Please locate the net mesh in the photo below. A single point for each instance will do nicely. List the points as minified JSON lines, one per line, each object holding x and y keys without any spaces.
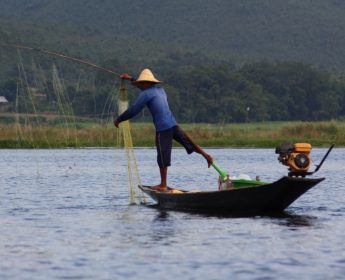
{"x":125,"y":135}
{"x":37,"y":119}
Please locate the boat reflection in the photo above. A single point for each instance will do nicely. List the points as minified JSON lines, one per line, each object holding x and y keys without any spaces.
{"x":293,"y":220}
{"x":284,"y":218}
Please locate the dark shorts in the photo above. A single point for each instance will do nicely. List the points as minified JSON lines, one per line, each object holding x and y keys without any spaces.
{"x":164,"y":144}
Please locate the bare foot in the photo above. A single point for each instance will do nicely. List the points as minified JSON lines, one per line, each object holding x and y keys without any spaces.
{"x":160,"y":188}
{"x":209,"y":159}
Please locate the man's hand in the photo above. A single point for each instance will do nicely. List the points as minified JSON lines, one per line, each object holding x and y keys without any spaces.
{"x":126,"y":76}
{"x":116,"y":123}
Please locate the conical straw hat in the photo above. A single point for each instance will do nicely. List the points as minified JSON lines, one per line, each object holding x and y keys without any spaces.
{"x":146,"y":76}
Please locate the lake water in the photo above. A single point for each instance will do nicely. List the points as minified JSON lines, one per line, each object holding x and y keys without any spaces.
{"x":65,"y":214}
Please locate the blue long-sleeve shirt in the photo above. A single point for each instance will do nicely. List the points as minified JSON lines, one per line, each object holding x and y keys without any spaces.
{"x":156,"y":100}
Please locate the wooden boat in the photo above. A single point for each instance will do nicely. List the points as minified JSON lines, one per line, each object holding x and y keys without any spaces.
{"x":245,"y":196}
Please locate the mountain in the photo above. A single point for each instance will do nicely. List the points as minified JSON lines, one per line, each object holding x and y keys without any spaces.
{"x":220,"y":60}
{"x":309,"y":31}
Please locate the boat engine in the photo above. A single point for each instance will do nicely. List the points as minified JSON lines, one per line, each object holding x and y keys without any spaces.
{"x":296,"y":157}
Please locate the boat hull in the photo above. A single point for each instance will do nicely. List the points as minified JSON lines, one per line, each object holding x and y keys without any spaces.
{"x":271,"y":197}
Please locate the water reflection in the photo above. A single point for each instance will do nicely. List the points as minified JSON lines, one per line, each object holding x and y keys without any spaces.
{"x":162,"y":216}
{"x":162,"y":226}
{"x":294,"y":220}
{"x":285,"y":218}
{"x":54,"y":226}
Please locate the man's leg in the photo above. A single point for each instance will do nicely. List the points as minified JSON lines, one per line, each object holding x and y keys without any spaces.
{"x":181,"y":137}
{"x":163,"y":185}
{"x":164,"y":146}
{"x":164,"y":175}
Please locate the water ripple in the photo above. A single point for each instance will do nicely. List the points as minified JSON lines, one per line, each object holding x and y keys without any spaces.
{"x":65,"y":214}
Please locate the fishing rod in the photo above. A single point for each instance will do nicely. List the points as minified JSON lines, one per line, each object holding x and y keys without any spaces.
{"x":68,"y":58}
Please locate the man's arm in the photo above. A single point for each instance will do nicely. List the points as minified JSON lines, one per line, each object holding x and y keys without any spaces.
{"x":127,"y":77}
{"x":116,"y":123}
{"x":133,"y":110}
{"x":124,"y":76}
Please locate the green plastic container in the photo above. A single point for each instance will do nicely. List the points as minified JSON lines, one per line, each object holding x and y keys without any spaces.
{"x":240,"y":183}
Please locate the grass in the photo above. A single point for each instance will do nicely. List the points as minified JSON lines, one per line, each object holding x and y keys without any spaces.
{"x":89,"y":133}
{"x":268,"y":134}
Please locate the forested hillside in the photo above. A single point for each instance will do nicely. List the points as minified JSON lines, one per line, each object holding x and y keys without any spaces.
{"x":221,"y":61}
{"x":310,"y":31}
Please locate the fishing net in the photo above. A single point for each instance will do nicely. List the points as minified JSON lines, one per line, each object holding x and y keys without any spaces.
{"x":44,"y":117}
{"x":125,"y":134}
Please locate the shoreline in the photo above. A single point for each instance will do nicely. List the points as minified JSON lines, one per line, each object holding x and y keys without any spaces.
{"x":243,"y":135}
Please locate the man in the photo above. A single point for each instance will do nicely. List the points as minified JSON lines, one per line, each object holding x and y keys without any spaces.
{"x":165,"y":124}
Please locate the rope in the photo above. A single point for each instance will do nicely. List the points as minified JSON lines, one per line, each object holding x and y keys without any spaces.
{"x":132,"y":165}
{"x":68,"y":58}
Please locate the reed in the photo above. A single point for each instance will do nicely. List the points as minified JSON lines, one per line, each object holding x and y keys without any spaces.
{"x":92,"y":134}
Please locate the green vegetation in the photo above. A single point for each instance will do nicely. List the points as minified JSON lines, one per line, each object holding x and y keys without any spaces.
{"x":309,"y":31}
{"x":268,"y":134}
{"x":209,"y":93}
{"x":222,"y":62}
{"x":92,"y":134}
